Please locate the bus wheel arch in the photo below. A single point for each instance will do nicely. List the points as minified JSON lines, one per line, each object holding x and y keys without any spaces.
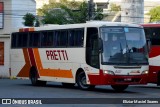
{"x":81,"y":80}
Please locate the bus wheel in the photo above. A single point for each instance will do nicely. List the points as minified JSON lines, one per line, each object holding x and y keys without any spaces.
{"x":34,"y":79}
{"x":119,"y":88}
{"x":81,"y":82}
{"x":68,"y":85}
{"x":158,"y":79}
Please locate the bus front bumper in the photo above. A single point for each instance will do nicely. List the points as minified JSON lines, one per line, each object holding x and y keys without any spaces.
{"x":117,"y":79}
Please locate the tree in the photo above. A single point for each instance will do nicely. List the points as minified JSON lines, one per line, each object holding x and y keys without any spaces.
{"x":155,"y":14}
{"x":65,"y":12}
{"x":29,"y":19}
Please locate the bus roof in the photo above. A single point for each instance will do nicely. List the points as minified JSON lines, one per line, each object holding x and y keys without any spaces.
{"x":83,"y":25}
{"x":151,"y":25}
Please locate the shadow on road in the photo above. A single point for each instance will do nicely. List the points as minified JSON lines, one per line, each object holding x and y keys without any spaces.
{"x":99,"y":89}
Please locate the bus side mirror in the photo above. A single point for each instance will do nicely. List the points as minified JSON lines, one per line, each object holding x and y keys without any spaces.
{"x":149,"y":45}
{"x":100,"y":45}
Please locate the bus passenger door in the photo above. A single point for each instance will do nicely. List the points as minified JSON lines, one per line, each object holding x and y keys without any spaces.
{"x":92,"y":51}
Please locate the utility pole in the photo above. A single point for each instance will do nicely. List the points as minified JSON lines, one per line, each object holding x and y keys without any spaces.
{"x":132,"y":11}
{"x":91,"y":9}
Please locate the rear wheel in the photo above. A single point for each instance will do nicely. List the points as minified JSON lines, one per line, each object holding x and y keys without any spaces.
{"x":82,"y":82}
{"x":119,"y":88}
{"x":34,"y":78}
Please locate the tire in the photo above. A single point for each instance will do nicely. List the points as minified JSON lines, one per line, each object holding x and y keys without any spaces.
{"x":34,"y":79}
{"x":119,"y":88}
{"x":68,"y":85}
{"x":81,"y":82}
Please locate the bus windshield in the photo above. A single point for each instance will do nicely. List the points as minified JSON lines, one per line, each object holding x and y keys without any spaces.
{"x":123,"y":46}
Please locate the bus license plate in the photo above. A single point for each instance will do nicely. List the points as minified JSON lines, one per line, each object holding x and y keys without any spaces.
{"x":128,"y":79}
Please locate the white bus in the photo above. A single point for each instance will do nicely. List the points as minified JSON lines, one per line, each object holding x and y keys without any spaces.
{"x":88,"y":54}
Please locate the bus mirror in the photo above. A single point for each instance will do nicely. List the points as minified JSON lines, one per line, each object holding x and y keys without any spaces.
{"x":149,"y":45}
{"x":100,"y":45}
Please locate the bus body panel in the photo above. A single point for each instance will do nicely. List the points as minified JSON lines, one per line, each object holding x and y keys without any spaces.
{"x":122,"y":76}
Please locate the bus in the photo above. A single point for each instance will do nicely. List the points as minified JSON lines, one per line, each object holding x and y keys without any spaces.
{"x":152,"y":32}
{"x":87,"y":54}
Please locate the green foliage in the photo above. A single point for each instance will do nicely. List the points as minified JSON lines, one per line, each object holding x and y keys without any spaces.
{"x":155,"y":14}
{"x":29,"y":19}
{"x":65,"y":12}
{"x":115,"y":7}
{"x":37,"y":24}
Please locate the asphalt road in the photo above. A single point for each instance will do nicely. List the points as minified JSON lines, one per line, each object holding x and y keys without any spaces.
{"x":23,"y":89}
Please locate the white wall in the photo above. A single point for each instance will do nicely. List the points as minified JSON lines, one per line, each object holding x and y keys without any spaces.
{"x":19,"y":9}
{"x":4,"y":69}
{"x":7,"y":17}
{"x":14,"y":10}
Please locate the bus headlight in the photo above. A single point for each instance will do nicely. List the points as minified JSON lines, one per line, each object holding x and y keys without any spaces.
{"x":145,"y":72}
{"x":108,"y":72}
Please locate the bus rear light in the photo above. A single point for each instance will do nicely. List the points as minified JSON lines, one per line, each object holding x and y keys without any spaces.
{"x":145,"y":72}
{"x":108,"y":72}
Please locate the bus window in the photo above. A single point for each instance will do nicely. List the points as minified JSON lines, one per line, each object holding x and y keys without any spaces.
{"x":61,"y":38}
{"x":51,"y":38}
{"x":14,"y":40}
{"x":155,"y":36}
{"x":92,"y":51}
{"x":22,"y":39}
{"x":34,"y":39}
{"x":147,"y":33}
{"x":75,"y":37}
{"x":47,"y":39}
{"x":79,"y":37}
{"x":71,"y":38}
{"x":44,"y":39}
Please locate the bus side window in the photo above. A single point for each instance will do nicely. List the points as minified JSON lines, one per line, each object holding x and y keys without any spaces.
{"x":44,"y":38}
{"x":47,"y":38}
{"x":155,"y":36}
{"x":71,"y":38}
{"x":22,"y":40}
{"x":61,"y":38}
{"x":79,"y":35}
{"x":92,"y":51}
{"x":14,"y":40}
{"x":147,"y":33}
{"x":34,"y":39}
{"x":64,"y":38}
{"x":75,"y":37}
{"x":51,"y":39}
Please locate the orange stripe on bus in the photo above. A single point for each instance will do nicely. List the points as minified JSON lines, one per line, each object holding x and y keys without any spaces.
{"x":24,"y":72}
{"x":21,"y":30}
{"x":50,"y":72}
{"x":31,"y":29}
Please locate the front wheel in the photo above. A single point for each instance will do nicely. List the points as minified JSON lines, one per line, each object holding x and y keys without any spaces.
{"x":82,"y":82}
{"x":119,"y":88}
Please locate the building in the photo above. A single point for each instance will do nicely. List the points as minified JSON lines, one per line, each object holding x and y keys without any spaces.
{"x":11,"y":14}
